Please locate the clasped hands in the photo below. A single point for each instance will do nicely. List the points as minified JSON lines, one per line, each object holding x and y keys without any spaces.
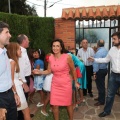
{"x":91,"y":59}
{"x":36,"y":72}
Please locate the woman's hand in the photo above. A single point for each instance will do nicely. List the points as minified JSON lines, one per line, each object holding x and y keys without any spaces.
{"x":36,"y":71}
{"x":94,"y":77}
{"x":77,"y":85}
{"x":3,"y":111}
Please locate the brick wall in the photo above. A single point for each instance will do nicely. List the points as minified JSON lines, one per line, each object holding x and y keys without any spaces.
{"x":65,"y":30}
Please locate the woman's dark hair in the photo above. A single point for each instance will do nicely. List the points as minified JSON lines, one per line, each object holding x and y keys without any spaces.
{"x":41,"y":53}
{"x":61,"y":44}
{"x":30,"y":54}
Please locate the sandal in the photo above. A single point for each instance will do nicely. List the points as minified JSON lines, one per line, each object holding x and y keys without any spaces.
{"x":39,"y":104}
{"x":45,"y":114}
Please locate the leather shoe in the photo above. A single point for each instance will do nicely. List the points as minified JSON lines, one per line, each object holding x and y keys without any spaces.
{"x":31,"y":115}
{"x":91,"y":95}
{"x":98,"y":103}
{"x":103,"y":114}
{"x":96,"y":99}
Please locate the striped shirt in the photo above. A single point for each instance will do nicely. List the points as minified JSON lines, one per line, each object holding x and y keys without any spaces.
{"x":84,"y":55}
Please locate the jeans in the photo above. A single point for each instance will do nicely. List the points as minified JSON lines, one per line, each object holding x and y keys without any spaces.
{"x":100,"y":83}
{"x":113,"y":85}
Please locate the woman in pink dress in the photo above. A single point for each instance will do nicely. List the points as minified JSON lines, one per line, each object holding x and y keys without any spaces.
{"x":60,"y":65}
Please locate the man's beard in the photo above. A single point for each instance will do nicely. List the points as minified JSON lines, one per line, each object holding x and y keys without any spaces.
{"x":118,"y":44}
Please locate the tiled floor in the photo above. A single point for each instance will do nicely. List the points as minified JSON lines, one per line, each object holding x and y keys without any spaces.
{"x":87,"y":110}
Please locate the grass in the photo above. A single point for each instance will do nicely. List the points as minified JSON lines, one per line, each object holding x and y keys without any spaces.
{"x":63,"y":114}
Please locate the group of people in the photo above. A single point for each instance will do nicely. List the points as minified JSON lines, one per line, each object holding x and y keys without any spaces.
{"x":17,"y":70}
{"x":58,"y":73}
{"x":96,"y":64}
{"x":15,"y":73}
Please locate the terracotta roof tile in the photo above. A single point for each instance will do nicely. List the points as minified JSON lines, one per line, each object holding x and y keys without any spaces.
{"x":92,"y":12}
{"x":118,"y":11}
{"x":98,"y":15}
{"x":105,"y":14}
{"x":77,"y":14}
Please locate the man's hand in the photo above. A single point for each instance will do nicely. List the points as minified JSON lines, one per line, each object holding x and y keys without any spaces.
{"x":17,"y":99}
{"x":91,"y":59}
{"x":94,"y":77}
{"x":3,"y":111}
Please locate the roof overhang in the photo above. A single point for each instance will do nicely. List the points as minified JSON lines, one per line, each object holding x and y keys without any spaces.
{"x":92,"y":13}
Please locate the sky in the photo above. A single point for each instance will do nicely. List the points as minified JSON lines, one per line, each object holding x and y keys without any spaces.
{"x":56,"y":10}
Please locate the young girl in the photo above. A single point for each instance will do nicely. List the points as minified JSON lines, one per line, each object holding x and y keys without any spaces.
{"x":14,"y":52}
{"x":81,"y":80}
{"x":39,"y":56}
{"x":47,"y":88}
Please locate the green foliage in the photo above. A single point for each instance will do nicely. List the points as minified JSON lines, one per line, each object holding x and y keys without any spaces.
{"x":62,"y":114}
{"x":18,"y":24}
{"x":17,"y":6}
{"x":39,"y":30}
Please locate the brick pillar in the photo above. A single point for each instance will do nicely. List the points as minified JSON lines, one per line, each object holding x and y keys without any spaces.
{"x":65,"y":30}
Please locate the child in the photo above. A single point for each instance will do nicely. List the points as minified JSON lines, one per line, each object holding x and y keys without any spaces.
{"x":47,"y":87}
{"x":39,"y":56}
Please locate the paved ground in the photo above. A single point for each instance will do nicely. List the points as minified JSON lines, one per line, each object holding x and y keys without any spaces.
{"x":87,"y":110}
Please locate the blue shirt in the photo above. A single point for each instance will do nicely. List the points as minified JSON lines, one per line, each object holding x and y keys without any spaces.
{"x":5,"y":71}
{"x":40,"y":63}
{"x":101,"y":53}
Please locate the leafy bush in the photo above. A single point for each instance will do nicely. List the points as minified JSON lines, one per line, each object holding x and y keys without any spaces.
{"x":39,"y":30}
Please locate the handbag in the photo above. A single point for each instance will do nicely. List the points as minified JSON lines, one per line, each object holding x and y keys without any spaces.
{"x":78,"y":72}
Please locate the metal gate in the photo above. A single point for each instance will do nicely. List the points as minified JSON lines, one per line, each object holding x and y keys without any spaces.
{"x":95,"y":30}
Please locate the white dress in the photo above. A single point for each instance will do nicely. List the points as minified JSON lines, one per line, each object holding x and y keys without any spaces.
{"x":47,"y":82}
{"x":20,"y":92}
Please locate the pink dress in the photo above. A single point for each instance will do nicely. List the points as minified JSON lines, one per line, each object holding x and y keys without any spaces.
{"x":61,"y":87}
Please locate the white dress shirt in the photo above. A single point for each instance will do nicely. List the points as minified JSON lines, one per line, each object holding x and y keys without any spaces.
{"x":24,"y":63}
{"x":114,"y":57}
{"x":84,"y":55}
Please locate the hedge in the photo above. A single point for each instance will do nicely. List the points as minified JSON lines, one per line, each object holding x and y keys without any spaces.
{"x":39,"y":30}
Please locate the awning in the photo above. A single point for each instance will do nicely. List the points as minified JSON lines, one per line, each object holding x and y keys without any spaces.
{"x":92,"y":13}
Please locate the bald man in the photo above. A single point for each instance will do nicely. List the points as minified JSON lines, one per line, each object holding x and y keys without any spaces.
{"x":84,"y":53}
{"x":99,"y":73}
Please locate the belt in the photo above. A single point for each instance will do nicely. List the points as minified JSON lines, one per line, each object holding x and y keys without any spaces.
{"x":116,"y":73}
{"x":6,"y":91}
